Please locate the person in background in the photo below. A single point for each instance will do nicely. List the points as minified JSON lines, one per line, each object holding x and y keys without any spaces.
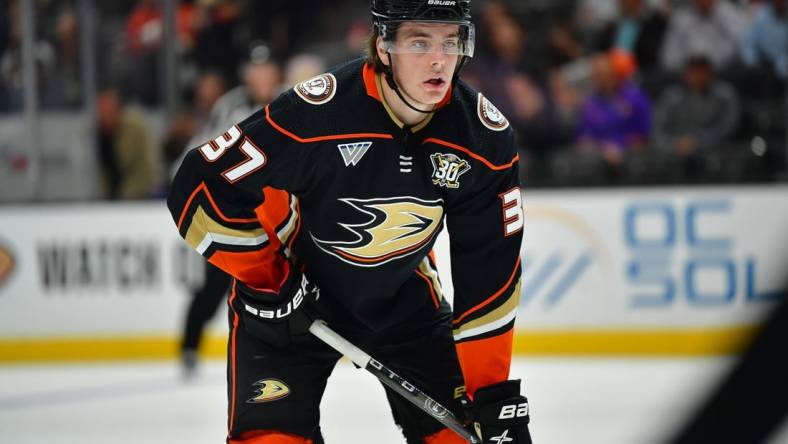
{"x":637,"y":30}
{"x":125,"y":150}
{"x":12,"y":77}
{"x":522,"y":93}
{"x":616,"y":117}
{"x":694,"y":117}
{"x":710,"y":27}
{"x":63,"y":87}
{"x":208,"y":88}
{"x":766,"y":42}
{"x":302,"y":67}
{"x":262,"y":81}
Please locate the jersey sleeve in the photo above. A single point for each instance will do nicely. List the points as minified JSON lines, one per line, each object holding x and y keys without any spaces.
{"x":234,"y":198}
{"x":485,"y":231}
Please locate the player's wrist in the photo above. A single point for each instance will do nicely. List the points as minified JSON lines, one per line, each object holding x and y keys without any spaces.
{"x":275,"y":316}
{"x":278,"y":306}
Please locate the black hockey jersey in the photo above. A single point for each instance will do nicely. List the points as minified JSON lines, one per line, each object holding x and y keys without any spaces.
{"x":327,"y":176}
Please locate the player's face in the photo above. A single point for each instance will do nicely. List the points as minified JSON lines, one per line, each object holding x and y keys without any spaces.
{"x":423,"y":61}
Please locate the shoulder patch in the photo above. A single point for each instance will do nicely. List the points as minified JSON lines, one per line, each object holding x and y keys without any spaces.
{"x":490,"y":116}
{"x":318,"y":90}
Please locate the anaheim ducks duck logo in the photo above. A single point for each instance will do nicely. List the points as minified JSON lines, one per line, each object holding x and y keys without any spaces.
{"x":398,"y":227}
{"x":269,"y":390}
{"x":318,"y":90}
{"x":7,"y":263}
{"x":490,"y":116}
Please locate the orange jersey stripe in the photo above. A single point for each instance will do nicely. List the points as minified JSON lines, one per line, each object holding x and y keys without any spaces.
{"x":273,"y":212}
{"x":445,"y":436}
{"x":233,"y":334}
{"x":268,"y":437}
{"x":370,"y":84}
{"x":474,"y":155}
{"x":491,"y":298}
{"x":259,"y":269}
{"x":429,"y":285}
{"x":204,"y":188}
{"x":485,"y":361}
{"x":321,"y":138}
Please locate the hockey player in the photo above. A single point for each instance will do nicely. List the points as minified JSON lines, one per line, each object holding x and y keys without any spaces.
{"x":326,"y":204}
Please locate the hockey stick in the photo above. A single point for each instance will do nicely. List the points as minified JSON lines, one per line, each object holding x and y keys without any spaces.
{"x":391,"y":379}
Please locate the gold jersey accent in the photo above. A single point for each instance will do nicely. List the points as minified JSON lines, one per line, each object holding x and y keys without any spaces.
{"x":269,"y":390}
{"x":398,"y":227}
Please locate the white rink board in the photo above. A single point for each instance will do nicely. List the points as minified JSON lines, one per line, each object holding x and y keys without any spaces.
{"x":108,"y":269}
{"x":670,"y":257}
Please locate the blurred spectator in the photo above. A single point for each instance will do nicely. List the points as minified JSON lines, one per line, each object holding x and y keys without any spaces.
{"x":710,"y":27}
{"x":616,"y":118}
{"x":564,"y":45}
{"x":144,"y":33}
{"x":523,"y":96}
{"x":210,"y":86}
{"x":203,"y":305}
{"x":695,"y":117}
{"x":336,"y":52}
{"x":262,"y":83}
{"x":208,"y":89}
{"x":11,"y":75}
{"x":144,"y":37}
{"x":125,"y":150}
{"x":637,"y":30}
{"x":766,"y":43}
{"x":179,"y":134}
{"x":262,"y":79}
{"x":220,"y":41}
{"x":302,"y":67}
{"x":5,"y":26}
{"x":63,"y":88}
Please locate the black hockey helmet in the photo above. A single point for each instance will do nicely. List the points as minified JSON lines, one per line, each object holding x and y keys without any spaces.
{"x":421,"y":10}
{"x":387,"y":15}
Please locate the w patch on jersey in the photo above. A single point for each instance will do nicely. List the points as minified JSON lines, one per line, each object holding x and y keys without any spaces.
{"x":318,"y":90}
{"x":490,"y":116}
{"x":447,"y":169}
{"x":353,"y":152}
{"x":397,"y":227}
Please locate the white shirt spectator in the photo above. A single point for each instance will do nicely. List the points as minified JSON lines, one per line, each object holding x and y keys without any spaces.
{"x":714,"y":35}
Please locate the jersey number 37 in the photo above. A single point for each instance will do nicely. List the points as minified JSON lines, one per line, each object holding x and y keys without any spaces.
{"x":255,"y":158}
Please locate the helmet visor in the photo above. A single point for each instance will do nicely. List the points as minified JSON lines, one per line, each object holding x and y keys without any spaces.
{"x":415,"y":37}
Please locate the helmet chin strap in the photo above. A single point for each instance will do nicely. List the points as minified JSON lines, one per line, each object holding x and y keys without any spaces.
{"x":388,"y":72}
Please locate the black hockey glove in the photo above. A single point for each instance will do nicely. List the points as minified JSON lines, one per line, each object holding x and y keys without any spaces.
{"x":275,"y":317}
{"x":500,"y":413}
